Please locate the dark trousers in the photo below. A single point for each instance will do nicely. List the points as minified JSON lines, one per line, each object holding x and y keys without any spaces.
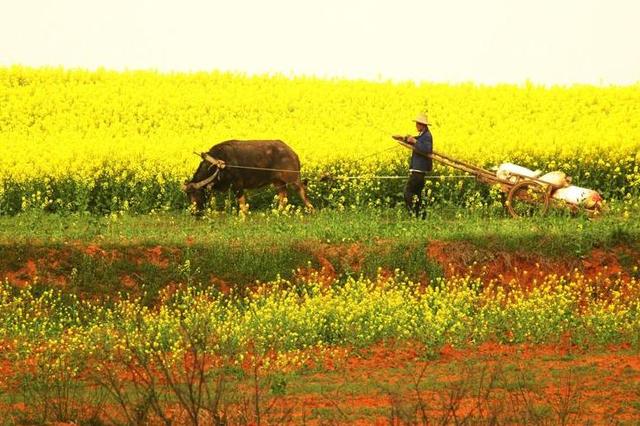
{"x":413,"y":193}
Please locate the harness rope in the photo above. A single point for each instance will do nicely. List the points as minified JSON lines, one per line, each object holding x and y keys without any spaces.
{"x":403,"y":177}
{"x":220,"y":164}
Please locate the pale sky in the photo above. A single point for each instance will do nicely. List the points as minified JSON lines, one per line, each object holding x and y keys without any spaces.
{"x":483,"y":41}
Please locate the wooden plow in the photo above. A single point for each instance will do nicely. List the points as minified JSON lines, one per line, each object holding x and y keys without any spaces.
{"x":524,"y":196}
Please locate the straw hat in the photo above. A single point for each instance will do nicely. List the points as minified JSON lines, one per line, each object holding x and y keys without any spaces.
{"x":422,"y":119}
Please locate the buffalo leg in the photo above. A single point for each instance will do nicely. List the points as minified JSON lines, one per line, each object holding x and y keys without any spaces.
{"x":281,"y":187}
{"x":300,"y":187}
{"x":242,"y":202}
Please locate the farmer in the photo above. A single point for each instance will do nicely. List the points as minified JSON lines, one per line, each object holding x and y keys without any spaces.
{"x":419,"y":165}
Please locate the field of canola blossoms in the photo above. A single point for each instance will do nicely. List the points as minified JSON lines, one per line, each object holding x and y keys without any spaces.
{"x":103,"y":141}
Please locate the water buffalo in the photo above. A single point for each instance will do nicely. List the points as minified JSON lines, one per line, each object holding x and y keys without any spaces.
{"x":239,"y":165}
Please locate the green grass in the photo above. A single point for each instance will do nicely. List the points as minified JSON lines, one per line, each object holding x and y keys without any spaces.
{"x":549,"y":236}
{"x":266,"y":245}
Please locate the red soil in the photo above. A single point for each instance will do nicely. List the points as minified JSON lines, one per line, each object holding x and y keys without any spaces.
{"x":602,"y":393}
{"x":377,"y":385}
{"x":457,"y":258}
{"x":24,"y":275}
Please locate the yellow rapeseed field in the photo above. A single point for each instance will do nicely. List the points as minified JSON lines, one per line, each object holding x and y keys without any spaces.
{"x":103,"y":140}
{"x":281,"y":317}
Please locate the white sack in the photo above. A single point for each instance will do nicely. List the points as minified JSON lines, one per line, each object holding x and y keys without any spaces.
{"x":506,"y":170}
{"x":556,"y":178}
{"x":577,"y":195}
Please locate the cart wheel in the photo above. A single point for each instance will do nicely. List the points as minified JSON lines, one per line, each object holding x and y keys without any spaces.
{"x":528,"y":199}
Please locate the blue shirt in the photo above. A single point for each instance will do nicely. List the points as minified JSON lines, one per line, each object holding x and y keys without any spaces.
{"x":423,"y":146}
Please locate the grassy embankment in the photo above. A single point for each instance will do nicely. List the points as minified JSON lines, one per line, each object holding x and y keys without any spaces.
{"x":93,"y":255}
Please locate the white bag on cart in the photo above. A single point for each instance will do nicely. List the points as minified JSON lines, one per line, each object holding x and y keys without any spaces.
{"x":506,"y":172}
{"x":559,"y":179}
{"x":578,"y":196}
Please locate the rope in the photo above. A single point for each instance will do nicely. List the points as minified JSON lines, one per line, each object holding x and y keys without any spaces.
{"x":371,"y":155}
{"x":221,"y":164}
{"x":230,"y":166}
{"x":402,"y":177}
{"x":354,"y":177}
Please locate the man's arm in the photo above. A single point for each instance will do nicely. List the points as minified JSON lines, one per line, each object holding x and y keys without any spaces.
{"x":424,"y":143}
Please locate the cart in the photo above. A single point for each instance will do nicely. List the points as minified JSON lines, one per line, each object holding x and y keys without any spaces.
{"x":524,"y":196}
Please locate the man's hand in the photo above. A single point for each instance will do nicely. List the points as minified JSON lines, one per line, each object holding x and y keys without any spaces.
{"x":408,"y":138}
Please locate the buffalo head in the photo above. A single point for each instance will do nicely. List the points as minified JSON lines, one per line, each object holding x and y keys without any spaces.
{"x":196,"y":189}
{"x":197,"y":196}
